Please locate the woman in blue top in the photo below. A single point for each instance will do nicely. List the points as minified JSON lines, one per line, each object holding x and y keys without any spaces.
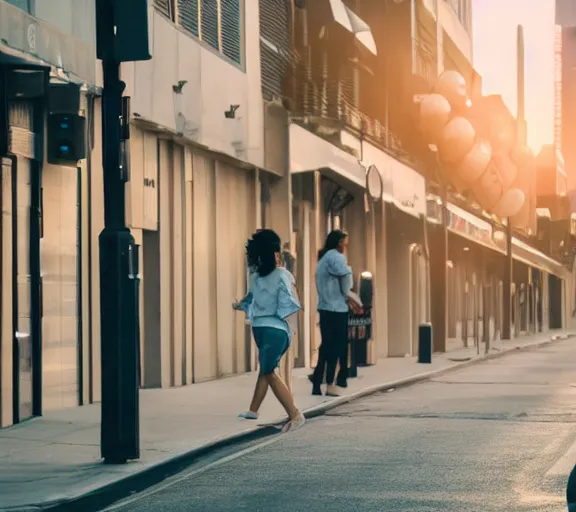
{"x":333,"y":283}
{"x":270,"y":301}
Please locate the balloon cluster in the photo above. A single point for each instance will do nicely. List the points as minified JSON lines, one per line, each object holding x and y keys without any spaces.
{"x":479,"y":153}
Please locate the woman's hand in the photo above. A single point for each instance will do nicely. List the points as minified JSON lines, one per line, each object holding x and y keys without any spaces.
{"x":356,"y":308}
{"x":236,"y":306}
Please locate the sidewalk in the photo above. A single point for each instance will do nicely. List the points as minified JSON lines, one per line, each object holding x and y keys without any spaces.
{"x":55,"y":459}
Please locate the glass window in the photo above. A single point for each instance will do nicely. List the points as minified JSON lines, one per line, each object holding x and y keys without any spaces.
{"x":230,"y":23}
{"x":22,"y":4}
{"x":216,"y":22}
{"x":188,"y":15}
{"x":166,"y":7}
{"x":210,"y":23}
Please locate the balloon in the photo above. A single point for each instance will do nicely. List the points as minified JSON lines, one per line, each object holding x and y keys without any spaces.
{"x":457,"y":140}
{"x":475,"y":163}
{"x":452,"y":86}
{"x":502,"y":135}
{"x":510,"y":203}
{"x":434,"y":115}
{"x":488,"y":189}
{"x":506,"y":169}
{"x":521,"y":155}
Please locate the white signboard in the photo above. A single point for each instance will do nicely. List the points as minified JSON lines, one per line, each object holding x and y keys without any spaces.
{"x":402,"y":183}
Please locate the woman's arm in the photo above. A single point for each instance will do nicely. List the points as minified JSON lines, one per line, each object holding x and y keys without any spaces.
{"x":244,"y":304}
{"x":288,"y":303}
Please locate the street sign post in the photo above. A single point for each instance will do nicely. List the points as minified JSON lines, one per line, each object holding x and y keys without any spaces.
{"x":120,"y":431}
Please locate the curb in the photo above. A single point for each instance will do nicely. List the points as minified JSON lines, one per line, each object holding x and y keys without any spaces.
{"x":109,"y":494}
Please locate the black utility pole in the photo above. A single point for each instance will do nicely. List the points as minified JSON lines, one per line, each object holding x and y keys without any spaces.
{"x":507,"y":286}
{"x":120,"y":437}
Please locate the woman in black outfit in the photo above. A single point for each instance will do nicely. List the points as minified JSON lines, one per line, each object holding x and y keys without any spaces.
{"x":333,"y":283}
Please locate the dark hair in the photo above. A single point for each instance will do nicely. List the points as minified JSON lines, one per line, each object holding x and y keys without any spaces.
{"x":332,"y":242}
{"x":261,"y":251}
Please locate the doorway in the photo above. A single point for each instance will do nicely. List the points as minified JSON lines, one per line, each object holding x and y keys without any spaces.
{"x":152,"y":353}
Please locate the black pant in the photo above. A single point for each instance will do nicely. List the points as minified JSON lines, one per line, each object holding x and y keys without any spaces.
{"x":333,"y":349}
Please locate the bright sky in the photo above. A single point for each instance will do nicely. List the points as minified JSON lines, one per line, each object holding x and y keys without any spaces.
{"x":495,"y":23}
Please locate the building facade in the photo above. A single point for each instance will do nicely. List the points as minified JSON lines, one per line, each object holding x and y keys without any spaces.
{"x":197,"y":169}
{"x":48,"y":244}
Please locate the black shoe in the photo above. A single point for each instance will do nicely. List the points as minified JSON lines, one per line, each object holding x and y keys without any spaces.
{"x":316,"y":390}
{"x":341,"y":382}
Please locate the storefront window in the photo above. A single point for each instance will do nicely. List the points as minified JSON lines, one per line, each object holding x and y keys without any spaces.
{"x":22,"y":4}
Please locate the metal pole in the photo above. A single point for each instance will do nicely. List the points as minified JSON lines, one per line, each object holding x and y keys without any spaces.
{"x":438,"y":275}
{"x":507,"y":286}
{"x":118,"y":277}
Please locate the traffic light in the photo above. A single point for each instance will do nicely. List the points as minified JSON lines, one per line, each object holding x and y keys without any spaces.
{"x":66,"y":139}
{"x":122,"y":31}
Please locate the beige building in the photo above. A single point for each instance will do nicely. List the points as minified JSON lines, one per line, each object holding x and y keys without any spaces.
{"x":197,"y":179}
{"x":47,"y":242}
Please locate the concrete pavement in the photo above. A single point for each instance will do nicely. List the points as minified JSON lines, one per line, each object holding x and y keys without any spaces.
{"x":54,"y":460}
{"x":495,"y":437}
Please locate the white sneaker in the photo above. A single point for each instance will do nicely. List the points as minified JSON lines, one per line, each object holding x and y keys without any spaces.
{"x":248,"y":415}
{"x":294,"y":424}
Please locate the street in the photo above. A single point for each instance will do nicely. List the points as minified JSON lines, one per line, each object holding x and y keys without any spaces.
{"x":495,"y":436}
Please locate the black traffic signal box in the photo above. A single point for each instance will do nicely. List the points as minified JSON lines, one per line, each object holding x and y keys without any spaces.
{"x":66,"y":128}
{"x":66,"y":139}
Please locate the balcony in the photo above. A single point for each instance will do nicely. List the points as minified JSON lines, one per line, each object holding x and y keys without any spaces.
{"x":334,"y":85}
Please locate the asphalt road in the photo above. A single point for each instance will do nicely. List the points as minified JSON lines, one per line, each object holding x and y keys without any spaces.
{"x":493,"y":437}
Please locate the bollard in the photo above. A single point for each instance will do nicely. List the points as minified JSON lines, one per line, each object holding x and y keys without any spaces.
{"x":425,"y":343}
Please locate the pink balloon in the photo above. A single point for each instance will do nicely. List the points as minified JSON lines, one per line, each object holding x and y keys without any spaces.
{"x":488,"y":189}
{"x":434,"y":115}
{"x":457,"y":140}
{"x":502,"y":135}
{"x":475,"y":163}
{"x":506,"y":169}
{"x":452,"y":85}
{"x":510,"y":203}
{"x":521,"y":155}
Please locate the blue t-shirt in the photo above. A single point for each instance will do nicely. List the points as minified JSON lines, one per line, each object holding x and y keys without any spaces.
{"x":271,"y":300}
{"x":333,"y":282}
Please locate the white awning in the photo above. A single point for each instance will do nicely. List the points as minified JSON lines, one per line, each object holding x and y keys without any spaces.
{"x":533,"y":257}
{"x":308,"y":152}
{"x":354,"y":24}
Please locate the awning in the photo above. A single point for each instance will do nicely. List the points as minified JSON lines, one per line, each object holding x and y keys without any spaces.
{"x":309,"y":152}
{"x":12,"y":60}
{"x":534,"y":258}
{"x":521,"y":251}
{"x":354,"y":24}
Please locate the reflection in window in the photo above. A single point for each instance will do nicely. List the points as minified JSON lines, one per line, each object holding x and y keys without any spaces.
{"x":22,"y":4}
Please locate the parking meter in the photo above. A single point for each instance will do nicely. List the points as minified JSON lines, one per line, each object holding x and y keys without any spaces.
{"x":360,"y":325}
{"x":366,"y":290}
